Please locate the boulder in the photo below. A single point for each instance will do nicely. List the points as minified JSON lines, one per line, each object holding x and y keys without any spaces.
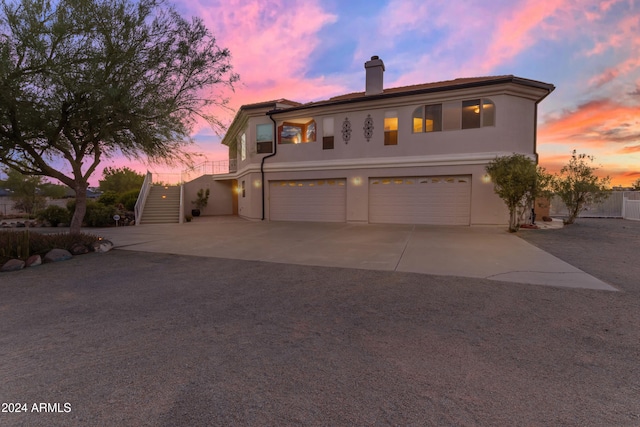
{"x":102,"y":246}
{"x":34,"y":260}
{"x":55,"y":255}
{"x":12,"y":265}
{"x":78,"y":249}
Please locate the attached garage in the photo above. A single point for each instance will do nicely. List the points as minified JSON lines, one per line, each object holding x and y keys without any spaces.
{"x":441,"y":200}
{"x":321,"y":200}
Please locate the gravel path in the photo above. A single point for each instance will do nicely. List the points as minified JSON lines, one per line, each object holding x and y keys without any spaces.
{"x":130,"y":338}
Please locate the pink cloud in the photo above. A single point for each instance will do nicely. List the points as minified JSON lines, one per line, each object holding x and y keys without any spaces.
{"x":271,"y":43}
{"x":516,"y":32}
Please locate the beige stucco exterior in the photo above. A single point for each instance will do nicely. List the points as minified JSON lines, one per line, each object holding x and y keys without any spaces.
{"x":450,"y":152}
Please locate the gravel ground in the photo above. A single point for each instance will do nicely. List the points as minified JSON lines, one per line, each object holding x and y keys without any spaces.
{"x":130,"y":338}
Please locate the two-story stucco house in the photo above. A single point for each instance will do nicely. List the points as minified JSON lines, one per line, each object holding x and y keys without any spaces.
{"x":407,"y":155}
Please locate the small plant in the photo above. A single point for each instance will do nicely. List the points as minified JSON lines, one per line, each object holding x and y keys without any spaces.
{"x":202,"y":198}
{"x":201,"y":201}
{"x":188,"y":218}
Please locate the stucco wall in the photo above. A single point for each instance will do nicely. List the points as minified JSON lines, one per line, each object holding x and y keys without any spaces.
{"x":220,"y":196}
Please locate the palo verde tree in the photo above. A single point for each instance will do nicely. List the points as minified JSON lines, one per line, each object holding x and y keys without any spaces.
{"x":517,"y":180}
{"x":83,"y":80}
{"x":578,"y":186}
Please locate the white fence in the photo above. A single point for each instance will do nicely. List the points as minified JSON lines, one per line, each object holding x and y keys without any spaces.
{"x":631,"y":206}
{"x":619,"y":204}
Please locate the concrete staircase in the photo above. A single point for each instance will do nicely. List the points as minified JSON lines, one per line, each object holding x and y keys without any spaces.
{"x":162,"y":206}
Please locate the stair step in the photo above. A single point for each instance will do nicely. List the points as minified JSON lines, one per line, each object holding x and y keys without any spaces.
{"x":162,"y":205}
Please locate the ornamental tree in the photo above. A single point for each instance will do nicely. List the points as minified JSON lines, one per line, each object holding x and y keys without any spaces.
{"x":517,"y":181}
{"x":578,"y":186}
{"x":84,"y":80}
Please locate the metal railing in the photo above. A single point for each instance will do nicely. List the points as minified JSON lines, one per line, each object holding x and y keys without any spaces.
{"x":216,"y":167}
{"x":142,"y":197}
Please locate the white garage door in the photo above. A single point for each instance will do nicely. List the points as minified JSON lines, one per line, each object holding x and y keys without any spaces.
{"x":322,"y":200}
{"x":444,"y":200}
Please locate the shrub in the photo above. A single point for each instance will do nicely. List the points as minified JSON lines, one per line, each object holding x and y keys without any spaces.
{"x":97,"y":215}
{"x":108,"y":198}
{"x":54,"y":215}
{"x":22,"y":244}
{"x":129,"y":199}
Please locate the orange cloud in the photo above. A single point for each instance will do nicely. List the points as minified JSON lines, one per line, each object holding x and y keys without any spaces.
{"x":596,"y":122}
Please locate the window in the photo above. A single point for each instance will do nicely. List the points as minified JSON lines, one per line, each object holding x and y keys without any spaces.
{"x":243,"y":146}
{"x":327,"y":133}
{"x":297,"y":133}
{"x":427,"y":118}
{"x":243,"y":189}
{"x":390,"y":128}
{"x":264,"y":138}
{"x":478,"y":113}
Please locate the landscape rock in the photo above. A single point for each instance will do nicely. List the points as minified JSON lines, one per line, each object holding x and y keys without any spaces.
{"x":55,"y":255}
{"x":13,"y":265}
{"x":78,"y":249}
{"x":33,"y":261}
{"x":102,"y":246}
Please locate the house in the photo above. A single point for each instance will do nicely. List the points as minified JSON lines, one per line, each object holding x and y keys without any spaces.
{"x":407,"y":155}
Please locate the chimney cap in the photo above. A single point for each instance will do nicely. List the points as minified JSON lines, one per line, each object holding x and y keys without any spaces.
{"x":374,"y":57}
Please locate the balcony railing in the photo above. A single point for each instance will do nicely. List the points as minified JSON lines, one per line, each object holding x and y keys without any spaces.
{"x":216,"y":167}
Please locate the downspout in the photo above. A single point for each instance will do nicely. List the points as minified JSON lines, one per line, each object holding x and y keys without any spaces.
{"x":275,"y":150}
{"x":535,"y":123}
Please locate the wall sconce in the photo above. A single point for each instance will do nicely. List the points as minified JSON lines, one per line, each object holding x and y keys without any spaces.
{"x":257,"y":183}
{"x":486,"y":178}
{"x":357,"y":181}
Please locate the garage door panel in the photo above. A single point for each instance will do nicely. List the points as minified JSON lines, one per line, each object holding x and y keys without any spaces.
{"x":308,"y":200}
{"x":420,"y":200}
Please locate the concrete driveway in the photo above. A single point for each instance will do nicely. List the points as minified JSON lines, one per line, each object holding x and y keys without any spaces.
{"x":480,"y":252}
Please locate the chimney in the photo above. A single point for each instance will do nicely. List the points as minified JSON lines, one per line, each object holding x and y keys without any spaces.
{"x":375,"y":70}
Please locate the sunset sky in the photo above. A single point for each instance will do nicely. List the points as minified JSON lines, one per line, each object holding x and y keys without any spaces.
{"x":310,"y":50}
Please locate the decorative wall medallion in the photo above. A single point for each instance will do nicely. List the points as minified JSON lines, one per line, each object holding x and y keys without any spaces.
{"x":368,"y":127}
{"x":346,"y":130}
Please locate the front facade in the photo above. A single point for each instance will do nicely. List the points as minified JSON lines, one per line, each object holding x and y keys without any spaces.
{"x":411,"y":155}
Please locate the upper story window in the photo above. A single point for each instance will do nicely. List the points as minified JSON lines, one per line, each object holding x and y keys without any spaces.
{"x":297,"y":133}
{"x":327,"y":133}
{"x":427,"y":118}
{"x":390,"y":128}
{"x":264,"y":138}
{"x":478,"y":113}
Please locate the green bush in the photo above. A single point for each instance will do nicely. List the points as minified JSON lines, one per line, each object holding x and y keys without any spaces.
{"x":97,"y":215}
{"x":129,"y":199}
{"x":108,"y":198}
{"x":54,"y":215}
